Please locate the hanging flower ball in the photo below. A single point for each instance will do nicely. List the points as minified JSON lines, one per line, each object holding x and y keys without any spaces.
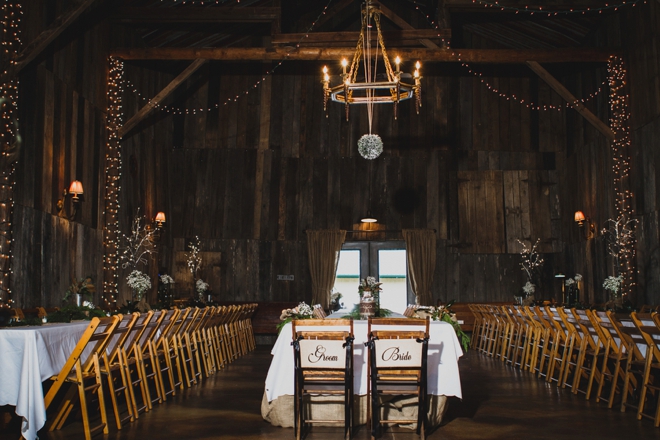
{"x":370,"y":146}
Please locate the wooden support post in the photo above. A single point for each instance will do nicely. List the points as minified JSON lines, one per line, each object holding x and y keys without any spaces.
{"x":568,"y":96}
{"x":144,"y":111}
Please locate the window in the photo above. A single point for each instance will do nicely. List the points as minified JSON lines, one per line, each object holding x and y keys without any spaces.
{"x":384,"y":260}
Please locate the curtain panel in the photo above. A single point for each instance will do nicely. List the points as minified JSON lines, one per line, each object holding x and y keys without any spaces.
{"x":323,"y":247}
{"x":420,"y":248}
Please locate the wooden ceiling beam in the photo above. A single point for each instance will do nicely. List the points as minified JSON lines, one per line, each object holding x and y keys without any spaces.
{"x":348,"y":37}
{"x":486,"y":56}
{"x":568,"y":96}
{"x":403,"y":24}
{"x":147,"y":109}
{"x":334,"y":10}
{"x":43,"y":40}
{"x":248,"y":14}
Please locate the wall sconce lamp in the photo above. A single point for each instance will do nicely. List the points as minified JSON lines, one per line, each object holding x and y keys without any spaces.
{"x":160,"y":219}
{"x":586,"y":223}
{"x":75,"y":190}
{"x":155,"y":228}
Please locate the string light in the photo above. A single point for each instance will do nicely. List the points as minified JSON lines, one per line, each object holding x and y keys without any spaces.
{"x":540,"y":10}
{"x":619,"y":118}
{"x":532,"y":105}
{"x":193,"y":111}
{"x":113,"y":169}
{"x":9,"y":142}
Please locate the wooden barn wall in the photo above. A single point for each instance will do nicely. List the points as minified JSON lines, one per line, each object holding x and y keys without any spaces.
{"x":640,"y":34}
{"x":250,"y":177}
{"x":587,"y":166}
{"x":62,"y":103}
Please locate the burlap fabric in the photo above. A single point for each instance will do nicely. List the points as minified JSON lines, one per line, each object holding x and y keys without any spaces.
{"x":279,"y":412}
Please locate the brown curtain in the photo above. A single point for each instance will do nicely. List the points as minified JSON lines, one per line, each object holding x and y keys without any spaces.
{"x":323,"y":247}
{"x":420,"y":248}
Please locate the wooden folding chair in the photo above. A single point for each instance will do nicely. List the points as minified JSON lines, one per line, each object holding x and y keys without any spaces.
{"x":621,"y":351}
{"x":183,"y":349}
{"x":144,"y":348}
{"x":645,"y":324}
{"x":159,"y":357}
{"x":398,"y":349}
{"x":82,"y":367}
{"x":323,"y":360}
{"x":134,"y":363}
{"x":591,"y":350}
{"x":113,"y":368}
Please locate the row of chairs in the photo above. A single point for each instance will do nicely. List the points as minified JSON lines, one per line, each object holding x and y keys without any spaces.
{"x":323,"y":358}
{"x":142,"y":359}
{"x":615,"y":355}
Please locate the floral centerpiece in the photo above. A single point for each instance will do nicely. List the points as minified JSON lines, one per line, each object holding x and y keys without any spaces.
{"x":445,"y":314}
{"x":572,"y":289}
{"x":303,"y":311}
{"x":82,"y":288}
{"x":201,"y":287}
{"x":335,"y":303}
{"x":369,"y":291}
{"x":165,"y":284}
{"x":139,"y":283}
{"x":613,"y":284}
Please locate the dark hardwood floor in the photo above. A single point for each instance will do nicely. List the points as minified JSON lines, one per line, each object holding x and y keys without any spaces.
{"x":499,"y":402}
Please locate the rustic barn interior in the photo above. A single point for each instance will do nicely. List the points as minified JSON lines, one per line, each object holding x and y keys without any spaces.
{"x":213,"y":113}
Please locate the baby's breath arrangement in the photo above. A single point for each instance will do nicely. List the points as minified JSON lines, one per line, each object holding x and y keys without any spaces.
{"x":613,"y":284}
{"x":139,"y":282}
{"x":201,"y":286}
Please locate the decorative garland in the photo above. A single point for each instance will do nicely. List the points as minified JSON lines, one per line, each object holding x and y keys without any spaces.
{"x":620,"y":115}
{"x":539,"y":10}
{"x":188,"y":111}
{"x":113,"y":169}
{"x":10,"y":142}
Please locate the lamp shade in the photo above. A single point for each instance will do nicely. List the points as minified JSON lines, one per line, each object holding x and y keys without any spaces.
{"x":76,"y":188}
{"x":160,"y":217}
{"x":579,"y":217}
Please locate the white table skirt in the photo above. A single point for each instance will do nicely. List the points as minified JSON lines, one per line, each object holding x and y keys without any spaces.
{"x":29,"y":356}
{"x":443,"y":376}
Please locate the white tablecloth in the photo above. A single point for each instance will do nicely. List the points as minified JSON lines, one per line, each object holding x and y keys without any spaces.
{"x":28,"y":356}
{"x":443,"y":376}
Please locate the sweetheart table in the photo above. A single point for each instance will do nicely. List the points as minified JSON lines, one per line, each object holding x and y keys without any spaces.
{"x":443,"y":376}
{"x":28,"y":356}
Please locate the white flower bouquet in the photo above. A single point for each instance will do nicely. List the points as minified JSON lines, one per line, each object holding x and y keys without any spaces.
{"x":139,"y":282}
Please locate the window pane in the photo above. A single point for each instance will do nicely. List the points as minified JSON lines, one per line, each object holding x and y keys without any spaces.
{"x":348,"y":277}
{"x":392,"y":273}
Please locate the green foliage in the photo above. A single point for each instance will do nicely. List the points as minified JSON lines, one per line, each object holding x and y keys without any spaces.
{"x":378,"y":313}
{"x":74,"y":313}
{"x":84,"y":287}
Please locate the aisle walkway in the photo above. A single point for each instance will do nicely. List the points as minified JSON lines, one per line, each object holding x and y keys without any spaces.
{"x":499,"y":403}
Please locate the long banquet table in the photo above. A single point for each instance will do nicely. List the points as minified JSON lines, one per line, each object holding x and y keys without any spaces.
{"x":29,"y":356}
{"x":443,"y":375}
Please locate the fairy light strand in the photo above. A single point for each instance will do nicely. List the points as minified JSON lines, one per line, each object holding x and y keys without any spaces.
{"x":9,"y":142}
{"x":113,"y":169}
{"x":619,"y":122}
{"x":193,"y":111}
{"x":540,"y":10}
{"x":532,"y":105}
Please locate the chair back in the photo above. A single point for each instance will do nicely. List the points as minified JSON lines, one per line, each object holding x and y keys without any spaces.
{"x":318,"y":311}
{"x":87,"y":351}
